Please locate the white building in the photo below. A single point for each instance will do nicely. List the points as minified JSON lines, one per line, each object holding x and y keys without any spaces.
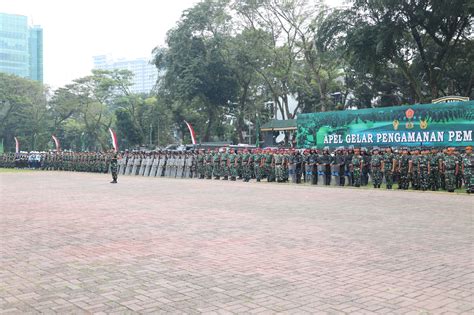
{"x":145,"y":74}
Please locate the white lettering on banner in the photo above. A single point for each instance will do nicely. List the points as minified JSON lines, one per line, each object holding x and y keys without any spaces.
{"x":401,"y":137}
{"x":397,"y":137}
{"x":390,"y":137}
{"x":328,"y":139}
{"x":467,"y":135}
{"x":440,"y":136}
{"x":418,"y":137}
{"x":426,"y":136}
{"x":451,"y":135}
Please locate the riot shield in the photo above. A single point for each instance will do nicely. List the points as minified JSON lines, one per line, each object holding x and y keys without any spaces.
{"x":308,"y":171}
{"x":321,"y":179}
{"x":335,"y":175}
{"x":128,"y":170}
{"x":292,"y":172}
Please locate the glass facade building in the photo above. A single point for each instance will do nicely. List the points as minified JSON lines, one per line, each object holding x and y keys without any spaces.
{"x":21,"y":47}
{"x":144,"y":74}
{"x":36,"y":53}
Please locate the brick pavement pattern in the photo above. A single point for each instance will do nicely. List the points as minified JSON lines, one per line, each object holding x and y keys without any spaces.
{"x":73,"y":243}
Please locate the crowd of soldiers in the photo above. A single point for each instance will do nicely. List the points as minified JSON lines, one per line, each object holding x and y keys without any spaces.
{"x":62,"y":161}
{"x":419,"y":168}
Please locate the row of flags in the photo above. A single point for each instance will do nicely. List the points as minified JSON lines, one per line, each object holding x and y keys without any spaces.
{"x":114,"y":139}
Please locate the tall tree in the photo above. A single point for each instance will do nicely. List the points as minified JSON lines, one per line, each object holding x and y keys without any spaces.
{"x":196,"y":73}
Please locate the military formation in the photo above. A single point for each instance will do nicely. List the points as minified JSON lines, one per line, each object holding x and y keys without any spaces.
{"x":416,"y":168}
{"x":62,"y":161}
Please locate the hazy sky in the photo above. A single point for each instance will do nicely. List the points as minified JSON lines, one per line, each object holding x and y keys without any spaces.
{"x":76,"y":30}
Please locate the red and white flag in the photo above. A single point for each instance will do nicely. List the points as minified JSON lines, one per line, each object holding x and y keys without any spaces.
{"x":191,"y":132}
{"x":114,"y":139}
{"x":17,"y":145}
{"x":57,"y":143}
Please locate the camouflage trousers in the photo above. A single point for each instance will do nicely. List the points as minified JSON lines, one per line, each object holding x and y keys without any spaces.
{"x":225,"y":171}
{"x":389,"y":178}
{"x":233,"y":172}
{"x":468,"y":181}
{"x":357,"y":177}
{"x":216,"y":171}
{"x":404,"y":181}
{"x":286,"y":173}
{"x":247,"y":172}
{"x":240,"y":170}
{"x":209,"y":171}
{"x":269,"y":173}
{"x":377,"y":177}
{"x":434,"y":179}
{"x":424,"y":178}
{"x":200,"y":171}
{"x":258,"y":171}
{"x":450,"y":180}
{"x":279,"y":173}
{"x":415,"y":180}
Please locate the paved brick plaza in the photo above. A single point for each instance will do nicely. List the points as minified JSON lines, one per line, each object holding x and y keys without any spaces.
{"x":75,"y":243}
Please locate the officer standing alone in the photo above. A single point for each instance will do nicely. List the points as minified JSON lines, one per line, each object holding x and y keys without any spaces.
{"x":114,"y":168}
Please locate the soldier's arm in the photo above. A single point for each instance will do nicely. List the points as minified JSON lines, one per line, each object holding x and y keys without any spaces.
{"x":410,"y":166}
{"x":457,"y":168}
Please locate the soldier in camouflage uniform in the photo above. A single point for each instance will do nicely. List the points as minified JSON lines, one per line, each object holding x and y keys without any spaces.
{"x":356,"y":164}
{"x":434,"y":166}
{"x":467,"y":169}
{"x":313,"y":161}
{"x":208,"y":164}
{"x":415,"y":179}
{"x":216,"y":167}
{"x":450,"y":168}
{"x":114,"y":168}
{"x":338,"y":167}
{"x":232,"y":165}
{"x":404,"y":168}
{"x":376,"y":168}
{"x":388,"y":166}
{"x":365,"y":168}
{"x":224,"y":164}
{"x":278,"y":160}
{"x":442,"y":175}
{"x":423,"y":169}
{"x":459,"y":175}
{"x":326,"y":160}
{"x":269,"y":166}
{"x":258,"y":165}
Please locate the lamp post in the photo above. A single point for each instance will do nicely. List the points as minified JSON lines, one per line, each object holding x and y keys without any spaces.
{"x":151,"y":130}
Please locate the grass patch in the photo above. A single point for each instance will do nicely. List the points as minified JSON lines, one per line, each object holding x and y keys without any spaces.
{"x":14,"y":170}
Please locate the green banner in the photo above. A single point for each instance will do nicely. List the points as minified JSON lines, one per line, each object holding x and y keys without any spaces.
{"x":434,"y":125}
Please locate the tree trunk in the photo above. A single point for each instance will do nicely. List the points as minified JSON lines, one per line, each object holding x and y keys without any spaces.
{"x":210,"y":116}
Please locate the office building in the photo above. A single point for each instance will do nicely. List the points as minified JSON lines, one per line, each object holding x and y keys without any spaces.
{"x":145,"y":74}
{"x":21,"y":47}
